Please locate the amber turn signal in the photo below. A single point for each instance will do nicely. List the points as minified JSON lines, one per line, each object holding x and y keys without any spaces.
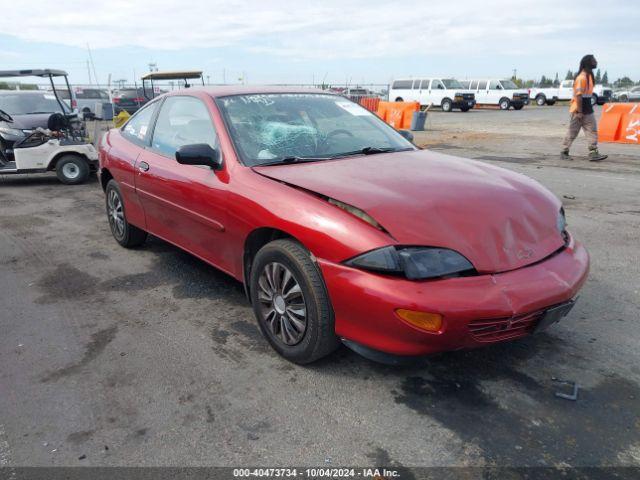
{"x":431,"y":322}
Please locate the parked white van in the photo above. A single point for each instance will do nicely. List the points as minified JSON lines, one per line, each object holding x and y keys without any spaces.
{"x":447,"y":93}
{"x":493,"y":91}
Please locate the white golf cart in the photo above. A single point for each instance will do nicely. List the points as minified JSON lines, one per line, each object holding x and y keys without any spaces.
{"x":39,"y":132}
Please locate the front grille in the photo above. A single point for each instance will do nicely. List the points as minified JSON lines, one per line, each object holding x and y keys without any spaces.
{"x":499,"y":329}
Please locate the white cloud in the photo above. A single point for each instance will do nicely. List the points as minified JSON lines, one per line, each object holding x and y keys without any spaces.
{"x":337,"y":29}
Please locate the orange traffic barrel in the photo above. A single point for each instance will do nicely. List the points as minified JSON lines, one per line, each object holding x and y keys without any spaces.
{"x":620,"y":123}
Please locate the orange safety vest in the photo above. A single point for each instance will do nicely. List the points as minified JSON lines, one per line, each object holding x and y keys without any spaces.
{"x":581,"y":86}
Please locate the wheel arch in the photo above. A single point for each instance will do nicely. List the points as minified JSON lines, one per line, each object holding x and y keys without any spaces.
{"x":105,"y":176}
{"x":257,"y":239}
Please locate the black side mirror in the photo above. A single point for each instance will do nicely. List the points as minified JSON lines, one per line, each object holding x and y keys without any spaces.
{"x":199,"y":154}
{"x":406,"y":134}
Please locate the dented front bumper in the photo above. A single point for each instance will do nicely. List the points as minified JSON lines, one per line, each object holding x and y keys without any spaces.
{"x":364,"y":303}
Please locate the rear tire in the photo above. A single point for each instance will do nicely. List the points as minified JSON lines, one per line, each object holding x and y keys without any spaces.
{"x":284,"y":280}
{"x":551,"y":102}
{"x":125,"y":234}
{"x":465,"y":109}
{"x":446,"y":105}
{"x":541,"y":100}
{"x":72,"y":169}
{"x":504,"y":103}
{"x":594,"y":100}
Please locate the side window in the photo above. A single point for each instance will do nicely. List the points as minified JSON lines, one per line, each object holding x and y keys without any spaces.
{"x":402,"y":84}
{"x":438,"y":84}
{"x":416,"y":84}
{"x":494,"y":85}
{"x":425,"y":84}
{"x":182,"y":121}
{"x":137,"y":127}
{"x":474,"y":85}
{"x":482,"y":84}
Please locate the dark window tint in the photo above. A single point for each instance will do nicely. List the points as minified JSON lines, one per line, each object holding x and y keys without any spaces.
{"x":402,"y":84}
{"x":482,"y":84}
{"x":182,"y":121}
{"x":137,"y":128}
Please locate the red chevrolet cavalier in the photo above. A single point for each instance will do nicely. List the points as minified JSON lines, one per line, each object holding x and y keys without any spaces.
{"x":339,"y":227}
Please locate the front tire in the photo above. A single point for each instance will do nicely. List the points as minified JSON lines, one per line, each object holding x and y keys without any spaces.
{"x":125,"y":234}
{"x":291,"y":303}
{"x":72,"y":170}
{"x":504,"y":104}
{"x":446,"y":105}
{"x":541,"y":100}
{"x":518,"y":107}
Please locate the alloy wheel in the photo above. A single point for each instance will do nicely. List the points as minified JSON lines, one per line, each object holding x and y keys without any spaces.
{"x":115,"y":214}
{"x":282,"y":304}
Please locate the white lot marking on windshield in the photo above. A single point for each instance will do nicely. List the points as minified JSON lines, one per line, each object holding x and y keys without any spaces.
{"x":264,"y":99}
{"x":49,"y":97}
{"x":354,"y":109}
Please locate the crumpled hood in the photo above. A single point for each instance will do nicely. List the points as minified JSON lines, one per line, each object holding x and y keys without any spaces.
{"x":498,"y":219}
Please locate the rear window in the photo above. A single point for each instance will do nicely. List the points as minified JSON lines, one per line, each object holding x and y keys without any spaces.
{"x":402,"y":84}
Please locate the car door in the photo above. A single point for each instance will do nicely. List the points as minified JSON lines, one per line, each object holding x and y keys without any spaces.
{"x":494,"y":92}
{"x":184,"y":204}
{"x":482,"y":92}
{"x":126,"y":145}
{"x":437,"y":91}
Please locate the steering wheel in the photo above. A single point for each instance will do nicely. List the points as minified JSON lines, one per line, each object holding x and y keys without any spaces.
{"x":338,"y":131}
{"x":322,"y":144}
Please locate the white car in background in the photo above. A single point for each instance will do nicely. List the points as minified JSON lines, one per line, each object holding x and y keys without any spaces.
{"x":493,"y":91}
{"x":550,"y":95}
{"x":627,"y":94}
{"x":447,"y":93}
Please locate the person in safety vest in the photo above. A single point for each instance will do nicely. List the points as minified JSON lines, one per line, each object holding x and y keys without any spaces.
{"x":581,"y":111}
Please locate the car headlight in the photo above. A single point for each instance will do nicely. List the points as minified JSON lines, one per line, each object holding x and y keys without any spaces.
{"x":561,"y":222}
{"x":12,"y":131}
{"x":415,"y":263}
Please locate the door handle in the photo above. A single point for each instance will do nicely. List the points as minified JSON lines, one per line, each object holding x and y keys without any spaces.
{"x":143,"y":166}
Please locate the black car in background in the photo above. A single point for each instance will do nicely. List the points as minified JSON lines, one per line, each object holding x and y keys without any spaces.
{"x":128,"y":99}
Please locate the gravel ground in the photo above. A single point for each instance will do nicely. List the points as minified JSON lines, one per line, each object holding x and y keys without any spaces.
{"x":149,"y":357}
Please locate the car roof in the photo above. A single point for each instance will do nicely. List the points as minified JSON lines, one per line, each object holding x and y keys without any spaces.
{"x":228,"y":90}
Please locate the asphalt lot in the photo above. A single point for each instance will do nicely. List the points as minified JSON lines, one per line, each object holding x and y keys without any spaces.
{"x":150,"y":357}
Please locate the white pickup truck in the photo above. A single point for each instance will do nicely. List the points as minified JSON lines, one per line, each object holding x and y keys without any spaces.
{"x":549,"y":96}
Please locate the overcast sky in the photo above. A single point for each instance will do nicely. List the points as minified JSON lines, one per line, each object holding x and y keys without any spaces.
{"x":335,"y":40}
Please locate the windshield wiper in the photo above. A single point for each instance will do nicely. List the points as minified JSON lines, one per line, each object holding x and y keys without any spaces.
{"x":293,"y":159}
{"x":373,"y":151}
